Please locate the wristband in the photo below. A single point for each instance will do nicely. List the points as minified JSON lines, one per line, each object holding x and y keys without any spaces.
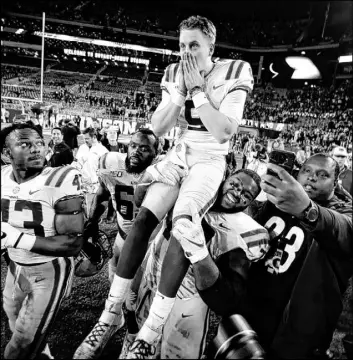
{"x":178,"y":99}
{"x":25,"y":242}
{"x":195,"y":90}
{"x":200,"y":99}
{"x":200,"y":255}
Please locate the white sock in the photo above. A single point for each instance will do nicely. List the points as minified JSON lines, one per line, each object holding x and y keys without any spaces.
{"x":119,"y":290}
{"x":160,"y":309}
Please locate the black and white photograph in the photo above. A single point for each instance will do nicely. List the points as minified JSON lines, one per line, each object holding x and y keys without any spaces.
{"x":176,"y":179}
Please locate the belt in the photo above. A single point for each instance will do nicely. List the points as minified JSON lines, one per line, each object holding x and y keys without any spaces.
{"x":197,"y":128}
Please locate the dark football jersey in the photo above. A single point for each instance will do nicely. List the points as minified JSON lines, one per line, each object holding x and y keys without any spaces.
{"x":295,"y":292}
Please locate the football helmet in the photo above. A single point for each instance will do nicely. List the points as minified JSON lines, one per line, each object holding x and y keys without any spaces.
{"x":94,"y":254}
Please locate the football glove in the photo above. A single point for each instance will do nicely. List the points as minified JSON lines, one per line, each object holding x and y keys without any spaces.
{"x":166,"y":172}
{"x":191,"y":237}
{"x":14,"y":238}
{"x":94,"y":255}
{"x":90,"y":229}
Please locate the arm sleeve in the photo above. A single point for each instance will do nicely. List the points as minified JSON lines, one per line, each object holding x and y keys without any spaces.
{"x":239,"y":82}
{"x":227,"y":295}
{"x":333,"y":231}
{"x":165,"y":84}
{"x":233,"y":105}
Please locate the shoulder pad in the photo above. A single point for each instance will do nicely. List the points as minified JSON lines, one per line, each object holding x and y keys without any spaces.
{"x":112,"y":161}
{"x":171,"y":72}
{"x":234,"y":69}
{"x":103,"y":161}
{"x":58,"y":175}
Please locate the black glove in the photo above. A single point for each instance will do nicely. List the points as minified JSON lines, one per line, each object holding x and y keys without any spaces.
{"x":91,"y":229}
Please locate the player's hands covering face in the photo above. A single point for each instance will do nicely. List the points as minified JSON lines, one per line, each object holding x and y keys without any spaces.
{"x":191,"y":72}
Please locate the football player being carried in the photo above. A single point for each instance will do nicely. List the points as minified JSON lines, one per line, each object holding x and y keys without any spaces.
{"x":41,"y":226}
{"x":226,"y":230}
{"x":207,"y":100}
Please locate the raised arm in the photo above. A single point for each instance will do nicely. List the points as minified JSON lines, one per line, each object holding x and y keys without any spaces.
{"x":173,"y":98}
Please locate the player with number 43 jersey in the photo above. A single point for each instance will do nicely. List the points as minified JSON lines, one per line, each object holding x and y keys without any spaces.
{"x":41,"y":226}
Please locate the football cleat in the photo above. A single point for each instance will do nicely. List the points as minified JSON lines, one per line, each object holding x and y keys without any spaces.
{"x":128,"y":341}
{"x":141,"y":349}
{"x":94,"y":343}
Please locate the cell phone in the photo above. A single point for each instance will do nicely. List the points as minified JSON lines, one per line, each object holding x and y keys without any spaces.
{"x":282,"y":158}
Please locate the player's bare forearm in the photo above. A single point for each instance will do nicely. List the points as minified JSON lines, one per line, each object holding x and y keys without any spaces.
{"x":218,"y":124}
{"x":206,"y":273}
{"x":164,"y":119}
{"x":58,"y":245}
{"x":97,"y":208}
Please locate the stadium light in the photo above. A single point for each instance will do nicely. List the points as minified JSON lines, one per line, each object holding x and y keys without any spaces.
{"x":303,"y":68}
{"x":345,"y":58}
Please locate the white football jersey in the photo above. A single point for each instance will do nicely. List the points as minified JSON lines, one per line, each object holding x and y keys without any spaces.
{"x":232,"y":231}
{"x":29,"y":206}
{"x":226,"y":76}
{"x":121,"y":185}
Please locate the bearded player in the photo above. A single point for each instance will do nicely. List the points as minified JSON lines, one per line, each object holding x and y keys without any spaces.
{"x":207,"y":99}
{"x":118,"y":175}
{"x":224,"y":229}
{"x":41,"y":223}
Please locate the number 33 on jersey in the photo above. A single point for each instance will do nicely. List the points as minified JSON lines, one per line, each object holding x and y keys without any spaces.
{"x":290,"y":242}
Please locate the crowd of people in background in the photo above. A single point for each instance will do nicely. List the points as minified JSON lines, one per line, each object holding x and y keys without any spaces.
{"x":252,"y":31}
{"x":279,"y":257}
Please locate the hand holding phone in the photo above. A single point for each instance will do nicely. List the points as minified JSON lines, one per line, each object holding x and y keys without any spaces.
{"x":282,"y":158}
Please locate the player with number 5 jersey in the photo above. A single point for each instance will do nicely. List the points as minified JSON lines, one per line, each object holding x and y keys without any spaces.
{"x":41,"y":226}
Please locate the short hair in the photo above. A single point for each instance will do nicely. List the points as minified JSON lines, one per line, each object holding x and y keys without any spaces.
{"x":147,"y":132}
{"x":327,"y":156}
{"x":92,"y":132}
{"x":15,"y":126}
{"x":56,"y":128}
{"x":199,"y":22}
{"x":256,"y":177}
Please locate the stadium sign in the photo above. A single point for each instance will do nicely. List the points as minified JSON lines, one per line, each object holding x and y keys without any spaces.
{"x":92,"y":54}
